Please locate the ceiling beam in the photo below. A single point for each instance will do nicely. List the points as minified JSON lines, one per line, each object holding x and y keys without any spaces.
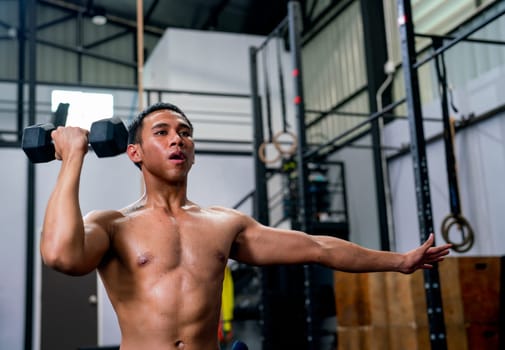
{"x":150,"y":10}
{"x":110,"y":18}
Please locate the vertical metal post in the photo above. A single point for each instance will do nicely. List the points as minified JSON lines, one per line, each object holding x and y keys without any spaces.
{"x":302,"y":171}
{"x":418,"y":149}
{"x":304,"y":205}
{"x":30,"y":191}
{"x":260,"y":199}
{"x":79,"y":31}
{"x":376,"y":52}
{"x":21,"y":35}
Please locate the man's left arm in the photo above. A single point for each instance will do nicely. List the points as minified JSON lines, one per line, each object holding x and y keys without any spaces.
{"x":261,"y":245}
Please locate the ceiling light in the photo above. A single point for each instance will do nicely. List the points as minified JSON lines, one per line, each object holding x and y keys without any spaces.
{"x":98,"y":16}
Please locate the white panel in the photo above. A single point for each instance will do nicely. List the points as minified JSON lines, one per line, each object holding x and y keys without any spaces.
{"x":361,"y":198}
{"x":12,"y":248}
{"x":201,"y":61}
{"x":221,"y":180}
{"x":405,"y":222}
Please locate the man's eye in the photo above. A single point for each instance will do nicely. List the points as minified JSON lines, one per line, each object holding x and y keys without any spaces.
{"x":185,"y":134}
{"x":161,"y":132}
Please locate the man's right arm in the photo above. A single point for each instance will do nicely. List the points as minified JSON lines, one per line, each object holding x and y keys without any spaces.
{"x":67,"y":244}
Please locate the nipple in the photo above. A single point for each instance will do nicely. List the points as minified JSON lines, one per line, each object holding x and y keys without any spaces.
{"x":221,"y":257}
{"x":143,"y":259}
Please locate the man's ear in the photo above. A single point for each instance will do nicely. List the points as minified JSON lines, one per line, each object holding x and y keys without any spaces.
{"x":134,"y":153}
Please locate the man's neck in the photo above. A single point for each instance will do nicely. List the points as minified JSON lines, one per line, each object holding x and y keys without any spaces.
{"x":169,"y":195}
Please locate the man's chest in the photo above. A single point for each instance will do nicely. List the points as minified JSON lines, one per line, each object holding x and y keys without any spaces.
{"x":167,"y":243}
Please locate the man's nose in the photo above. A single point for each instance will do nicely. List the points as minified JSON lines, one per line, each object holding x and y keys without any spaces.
{"x":176,"y":139}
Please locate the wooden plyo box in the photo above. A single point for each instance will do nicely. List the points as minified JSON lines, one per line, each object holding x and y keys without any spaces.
{"x":381,"y":311}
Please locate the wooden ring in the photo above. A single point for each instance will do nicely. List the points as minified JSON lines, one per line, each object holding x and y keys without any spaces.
{"x":291,"y":150}
{"x":467,"y":236}
{"x":262,"y":153}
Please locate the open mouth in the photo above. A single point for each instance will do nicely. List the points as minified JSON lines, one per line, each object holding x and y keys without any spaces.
{"x":177,"y":156}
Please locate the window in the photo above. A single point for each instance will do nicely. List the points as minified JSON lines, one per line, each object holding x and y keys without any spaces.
{"x":84,"y":107}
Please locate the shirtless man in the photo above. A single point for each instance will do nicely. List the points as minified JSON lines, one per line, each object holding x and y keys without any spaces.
{"x":162,"y":259}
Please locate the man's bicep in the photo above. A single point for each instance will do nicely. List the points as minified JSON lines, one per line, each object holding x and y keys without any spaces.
{"x":96,"y":241}
{"x":262,"y":245}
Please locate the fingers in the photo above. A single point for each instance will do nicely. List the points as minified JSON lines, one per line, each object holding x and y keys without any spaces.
{"x":434,"y":258}
{"x":431,"y":249}
{"x":430,"y":240}
{"x":57,"y":154}
{"x":428,"y":263}
{"x":68,"y":140}
{"x":442,"y":250}
{"x":437,"y":253}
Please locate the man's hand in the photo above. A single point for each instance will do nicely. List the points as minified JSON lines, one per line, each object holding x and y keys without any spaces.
{"x":69,"y":141}
{"x":424,"y":256}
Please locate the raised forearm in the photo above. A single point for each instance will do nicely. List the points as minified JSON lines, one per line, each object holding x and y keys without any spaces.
{"x":63,"y":229}
{"x":347,"y":256}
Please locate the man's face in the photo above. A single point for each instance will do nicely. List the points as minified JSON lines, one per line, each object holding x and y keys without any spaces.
{"x":167,"y":147}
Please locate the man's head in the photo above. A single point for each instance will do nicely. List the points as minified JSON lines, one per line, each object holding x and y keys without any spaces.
{"x":135,"y":128}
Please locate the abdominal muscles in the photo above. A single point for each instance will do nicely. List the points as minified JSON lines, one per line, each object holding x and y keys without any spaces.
{"x":176,"y":308}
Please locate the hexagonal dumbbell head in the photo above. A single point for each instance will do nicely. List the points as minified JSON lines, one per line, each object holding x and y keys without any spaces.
{"x":108,"y":137}
{"x":37,"y":143}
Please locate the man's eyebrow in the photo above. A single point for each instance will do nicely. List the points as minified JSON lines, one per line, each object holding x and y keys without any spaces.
{"x":184,"y":124}
{"x":181,"y":124}
{"x":159,"y":125}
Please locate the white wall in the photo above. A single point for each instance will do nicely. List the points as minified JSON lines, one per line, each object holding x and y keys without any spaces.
{"x":202,"y":61}
{"x":361,"y":194}
{"x":12,"y":248}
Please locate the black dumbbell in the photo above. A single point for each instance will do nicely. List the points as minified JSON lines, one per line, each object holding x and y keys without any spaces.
{"x":107,"y":137}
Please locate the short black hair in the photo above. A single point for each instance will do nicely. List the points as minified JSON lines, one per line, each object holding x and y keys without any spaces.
{"x":135,"y":128}
{"x":136,"y":125}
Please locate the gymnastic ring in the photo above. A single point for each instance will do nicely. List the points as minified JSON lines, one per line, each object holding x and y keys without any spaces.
{"x":468,"y":239}
{"x":262,"y":153}
{"x":289,"y":152}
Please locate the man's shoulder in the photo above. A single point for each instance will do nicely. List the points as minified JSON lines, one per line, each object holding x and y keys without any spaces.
{"x":217,"y":209}
{"x":230,"y":215}
{"x":103,"y":216}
